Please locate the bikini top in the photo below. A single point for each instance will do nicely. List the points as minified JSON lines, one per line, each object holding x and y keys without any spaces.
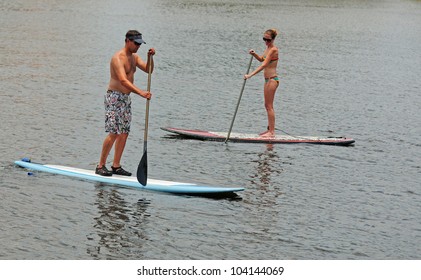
{"x":273,"y":59}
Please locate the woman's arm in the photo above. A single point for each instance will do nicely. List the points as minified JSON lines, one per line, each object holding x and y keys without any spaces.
{"x":262,"y":66}
{"x":256,"y":56}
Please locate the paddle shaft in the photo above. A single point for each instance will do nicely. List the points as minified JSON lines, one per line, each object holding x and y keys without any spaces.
{"x":238,"y":102}
{"x":145,"y":136}
{"x":142,"y":169}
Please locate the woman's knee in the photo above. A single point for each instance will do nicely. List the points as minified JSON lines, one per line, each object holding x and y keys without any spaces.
{"x":269,"y":107}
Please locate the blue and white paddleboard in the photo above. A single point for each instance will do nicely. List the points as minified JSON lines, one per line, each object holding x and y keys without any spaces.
{"x":153,"y":185}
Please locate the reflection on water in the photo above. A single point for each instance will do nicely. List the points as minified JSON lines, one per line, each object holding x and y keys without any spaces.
{"x":119,"y":225}
{"x":268,"y":165}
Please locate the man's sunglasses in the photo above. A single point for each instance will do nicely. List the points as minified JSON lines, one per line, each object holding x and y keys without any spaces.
{"x":137,"y":44}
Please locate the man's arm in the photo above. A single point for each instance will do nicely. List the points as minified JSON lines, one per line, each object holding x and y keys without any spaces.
{"x":118,"y":67}
{"x":145,"y":66}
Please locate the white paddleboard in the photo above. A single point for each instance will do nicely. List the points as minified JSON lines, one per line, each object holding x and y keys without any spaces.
{"x":129,"y":181}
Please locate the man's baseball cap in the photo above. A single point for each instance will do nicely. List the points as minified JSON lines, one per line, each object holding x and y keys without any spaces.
{"x":135,"y":36}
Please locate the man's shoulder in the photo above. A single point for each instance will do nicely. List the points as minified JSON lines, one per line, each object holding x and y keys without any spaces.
{"x":118,"y":57}
{"x":119,"y":54}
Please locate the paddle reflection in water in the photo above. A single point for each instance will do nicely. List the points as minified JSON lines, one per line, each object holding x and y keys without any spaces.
{"x":119,"y":226}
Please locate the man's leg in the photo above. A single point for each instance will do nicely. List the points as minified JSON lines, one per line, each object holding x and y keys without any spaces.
{"x":106,"y":148}
{"x":120,"y":144}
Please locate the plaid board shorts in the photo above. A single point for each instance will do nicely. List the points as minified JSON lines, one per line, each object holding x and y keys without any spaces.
{"x":118,"y":112}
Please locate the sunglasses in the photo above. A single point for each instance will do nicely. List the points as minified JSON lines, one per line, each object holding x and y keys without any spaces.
{"x":137,"y":44}
{"x":267,"y":40}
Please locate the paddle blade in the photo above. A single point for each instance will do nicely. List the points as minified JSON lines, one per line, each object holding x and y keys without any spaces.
{"x":142,"y":169}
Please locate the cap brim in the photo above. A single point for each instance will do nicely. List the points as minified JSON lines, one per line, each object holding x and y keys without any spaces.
{"x":139,"y":41}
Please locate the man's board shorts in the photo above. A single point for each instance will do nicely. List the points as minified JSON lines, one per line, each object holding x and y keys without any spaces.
{"x":118,"y":112}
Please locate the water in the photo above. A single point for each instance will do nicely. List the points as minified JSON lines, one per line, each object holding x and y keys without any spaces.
{"x":347,"y":68}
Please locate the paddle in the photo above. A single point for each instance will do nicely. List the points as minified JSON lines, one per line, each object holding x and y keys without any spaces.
{"x":239,"y":99}
{"x":142,"y":169}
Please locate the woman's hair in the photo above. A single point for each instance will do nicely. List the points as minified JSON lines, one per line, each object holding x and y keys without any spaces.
{"x":272,"y":32}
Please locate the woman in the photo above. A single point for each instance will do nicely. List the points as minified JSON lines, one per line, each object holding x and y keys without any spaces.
{"x":269,"y":61}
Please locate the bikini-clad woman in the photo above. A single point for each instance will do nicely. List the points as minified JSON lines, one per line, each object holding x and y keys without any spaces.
{"x":269,"y":61}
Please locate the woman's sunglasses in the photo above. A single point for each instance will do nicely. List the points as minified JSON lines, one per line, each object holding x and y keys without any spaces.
{"x":267,"y":40}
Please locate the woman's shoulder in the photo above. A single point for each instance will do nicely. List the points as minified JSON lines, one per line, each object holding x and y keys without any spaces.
{"x":273,"y":53}
{"x":274,"y":49}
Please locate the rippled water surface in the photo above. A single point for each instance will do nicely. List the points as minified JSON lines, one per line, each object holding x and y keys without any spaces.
{"x":347,"y":68}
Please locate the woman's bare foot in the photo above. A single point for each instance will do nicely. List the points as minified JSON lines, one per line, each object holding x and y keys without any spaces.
{"x":268,"y":134}
{"x":264,"y":132}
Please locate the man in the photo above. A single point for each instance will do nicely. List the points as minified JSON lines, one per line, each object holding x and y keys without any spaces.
{"x":117,"y":102}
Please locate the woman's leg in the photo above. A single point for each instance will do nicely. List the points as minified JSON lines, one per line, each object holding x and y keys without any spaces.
{"x":269,"y":96}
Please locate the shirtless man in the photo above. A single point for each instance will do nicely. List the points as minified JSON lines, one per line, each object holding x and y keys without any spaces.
{"x":269,"y":61}
{"x":117,"y":101}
